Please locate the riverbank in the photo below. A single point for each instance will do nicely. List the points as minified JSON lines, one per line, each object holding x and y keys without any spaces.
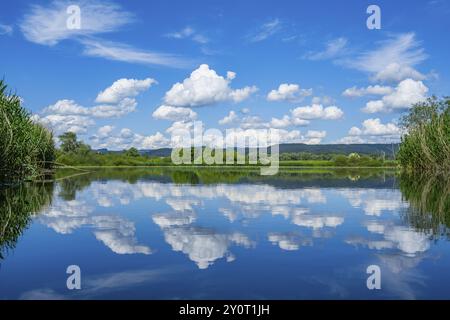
{"x":297,"y":164}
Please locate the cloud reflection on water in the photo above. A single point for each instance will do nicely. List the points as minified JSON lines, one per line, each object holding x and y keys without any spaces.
{"x":399,"y":248}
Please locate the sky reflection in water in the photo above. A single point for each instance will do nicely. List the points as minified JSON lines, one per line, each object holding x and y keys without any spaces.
{"x":286,"y":237}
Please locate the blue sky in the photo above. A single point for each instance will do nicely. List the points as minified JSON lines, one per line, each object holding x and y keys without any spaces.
{"x":135,"y":70}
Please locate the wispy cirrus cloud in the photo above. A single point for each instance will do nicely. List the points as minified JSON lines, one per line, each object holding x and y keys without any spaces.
{"x":121,"y":52}
{"x":47,"y":25}
{"x":98,"y":285}
{"x":333,"y":49}
{"x":188,"y":33}
{"x":393,"y":60}
{"x":5,"y":29}
{"x":265,"y":31}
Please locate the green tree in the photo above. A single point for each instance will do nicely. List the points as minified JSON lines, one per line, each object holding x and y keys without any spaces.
{"x":423,"y":113}
{"x":132,"y":152}
{"x":354,"y":159}
{"x":69,"y":142}
{"x":341,"y":161}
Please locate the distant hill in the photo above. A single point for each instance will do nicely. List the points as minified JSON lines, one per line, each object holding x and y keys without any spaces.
{"x":164,"y":152}
{"x":369,"y":149}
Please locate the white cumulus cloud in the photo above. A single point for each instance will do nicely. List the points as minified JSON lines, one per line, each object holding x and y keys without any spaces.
{"x":60,"y":123}
{"x":407,"y":93}
{"x":317,"y":111}
{"x":288,"y":92}
{"x":123,"y":88}
{"x":230,"y":118}
{"x":105,"y":130}
{"x":174,"y":113}
{"x":396,"y":72}
{"x":370,"y":90}
{"x":373,"y":131}
{"x":374,"y":127}
{"x":205,"y":87}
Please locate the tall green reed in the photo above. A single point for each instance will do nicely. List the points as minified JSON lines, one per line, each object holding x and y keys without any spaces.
{"x":425,"y":147}
{"x":27,"y":148}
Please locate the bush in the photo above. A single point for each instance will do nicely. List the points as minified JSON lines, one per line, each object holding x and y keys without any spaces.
{"x":355,"y":160}
{"x":341,"y":161}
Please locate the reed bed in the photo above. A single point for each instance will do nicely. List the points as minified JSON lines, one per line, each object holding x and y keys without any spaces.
{"x":27,"y":149}
{"x":425,"y":147}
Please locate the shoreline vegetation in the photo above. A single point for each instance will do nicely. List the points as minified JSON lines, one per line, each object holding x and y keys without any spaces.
{"x":75,"y":153}
{"x":27,"y":149}
{"x":425,"y":146}
{"x":28,"y":152}
{"x":84,"y":158}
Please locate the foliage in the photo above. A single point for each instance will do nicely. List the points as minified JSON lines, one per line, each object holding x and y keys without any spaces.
{"x":356,"y":160}
{"x":77,"y":153}
{"x":69,"y":142}
{"x":93,"y":159}
{"x":429,"y":198}
{"x":185,"y":177}
{"x":288,"y":156}
{"x":341,"y":161}
{"x":84,"y":156}
{"x":307,"y":163}
{"x":426,"y":144}
{"x":132,"y":152}
{"x":17,"y":206}
{"x":26,"y":148}
{"x":326,"y":150}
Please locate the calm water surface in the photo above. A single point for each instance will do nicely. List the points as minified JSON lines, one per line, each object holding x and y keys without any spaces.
{"x":210,"y":234}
